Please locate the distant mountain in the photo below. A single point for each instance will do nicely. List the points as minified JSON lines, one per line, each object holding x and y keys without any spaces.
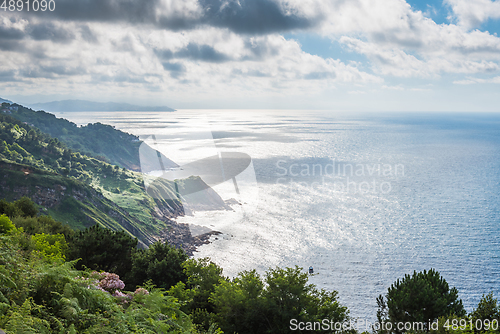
{"x":82,"y":105}
{"x":4,"y":100}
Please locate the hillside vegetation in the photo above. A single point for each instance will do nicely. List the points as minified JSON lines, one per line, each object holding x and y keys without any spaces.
{"x":82,"y":190}
{"x":97,"y":140}
{"x":56,"y":280}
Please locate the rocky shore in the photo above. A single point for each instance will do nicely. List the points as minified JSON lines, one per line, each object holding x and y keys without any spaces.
{"x":186,"y":236}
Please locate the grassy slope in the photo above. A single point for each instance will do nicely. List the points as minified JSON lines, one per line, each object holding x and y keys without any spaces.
{"x":66,"y":199}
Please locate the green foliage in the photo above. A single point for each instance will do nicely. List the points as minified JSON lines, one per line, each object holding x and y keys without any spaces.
{"x":487,"y":309}
{"x":97,"y":140}
{"x":51,"y":247}
{"x":42,"y":224}
{"x":6,"y":225}
{"x":38,"y":297}
{"x":9,"y":209}
{"x":103,"y":249}
{"x":421,"y":297}
{"x":161,"y":263}
{"x":22,"y":144}
{"x":23,"y":319}
{"x":27,"y":207}
{"x":285,"y":295}
{"x":202,"y":278}
{"x":23,"y":207}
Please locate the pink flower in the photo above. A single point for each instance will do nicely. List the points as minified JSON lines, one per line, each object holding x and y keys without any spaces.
{"x":141,"y":291}
{"x":111,"y":282}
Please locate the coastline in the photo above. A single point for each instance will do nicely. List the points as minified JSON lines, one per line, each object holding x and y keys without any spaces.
{"x":180,"y":235}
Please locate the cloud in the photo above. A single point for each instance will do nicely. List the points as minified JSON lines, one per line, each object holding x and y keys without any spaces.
{"x":254,"y":16}
{"x":240,"y":16}
{"x":472,"y":81}
{"x":194,"y":51}
{"x":52,"y":32}
{"x":396,"y":62}
{"x":217,"y":48}
{"x":87,"y":34}
{"x":472,"y":13}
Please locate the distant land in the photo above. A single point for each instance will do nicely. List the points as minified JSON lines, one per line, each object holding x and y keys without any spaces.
{"x":82,"y":105}
{"x":4,"y":100}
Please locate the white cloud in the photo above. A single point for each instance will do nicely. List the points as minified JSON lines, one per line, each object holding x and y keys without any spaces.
{"x":200,"y":56}
{"x":471,"y":13}
{"x":396,"y":62}
{"x":472,"y":81}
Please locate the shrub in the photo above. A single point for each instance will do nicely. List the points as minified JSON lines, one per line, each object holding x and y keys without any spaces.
{"x":50,"y":247}
{"x":161,"y":263}
{"x":6,"y":225}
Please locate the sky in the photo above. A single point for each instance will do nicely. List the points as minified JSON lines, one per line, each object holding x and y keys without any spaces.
{"x":339,"y":55}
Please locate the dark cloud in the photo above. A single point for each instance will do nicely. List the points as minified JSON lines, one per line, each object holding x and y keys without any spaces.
{"x":8,"y":76}
{"x":240,"y":16}
{"x":252,"y":16}
{"x":87,"y":34}
{"x":392,"y":37}
{"x":11,"y":33}
{"x":10,"y":45}
{"x":123,"y":77}
{"x":202,"y":52}
{"x":251,"y":73}
{"x":195,"y":52}
{"x":125,"y":44}
{"x":101,"y":10}
{"x":10,"y":38}
{"x":175,"y":69}
{"x":49,"y":31}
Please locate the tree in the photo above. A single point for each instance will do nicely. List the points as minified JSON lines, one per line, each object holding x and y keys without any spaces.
{"x":250,"y":304}
{"x":161,"y":263}
{"x":24,"y":207}
{"x":9,"y":209}
{"x":202,"y":278}
{"x":27,"y":207}
{"x":102,"y":249}
{"x":487,"y":309}
{"x":239,"y":304}
{"x":422,"y":297}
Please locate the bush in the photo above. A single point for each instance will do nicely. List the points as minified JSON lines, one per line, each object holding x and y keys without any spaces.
{"x":102,"y":249}
{"x":161,"y":263}
{"x":6,"y":225}
{"x":23,"y":207}
{"x":42,"y":224}
{"x":27,"y":207}
{"x":51,"y":248}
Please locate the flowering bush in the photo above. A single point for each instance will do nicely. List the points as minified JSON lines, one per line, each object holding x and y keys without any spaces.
{"x":141,"y":291}
{"x":110,"y":282}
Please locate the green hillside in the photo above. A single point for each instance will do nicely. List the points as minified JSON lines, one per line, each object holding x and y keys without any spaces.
{"x":55,"y":177}
{"x":97,"y":140}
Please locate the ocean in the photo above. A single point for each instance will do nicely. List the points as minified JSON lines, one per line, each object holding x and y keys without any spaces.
{"x":364,"y":198}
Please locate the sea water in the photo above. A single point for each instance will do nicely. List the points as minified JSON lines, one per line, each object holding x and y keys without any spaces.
{"x":364,"y":198}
